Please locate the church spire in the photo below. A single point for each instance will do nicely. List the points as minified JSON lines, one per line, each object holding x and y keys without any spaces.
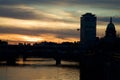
{"x":110,"y":19}
{"x":110,"y":30}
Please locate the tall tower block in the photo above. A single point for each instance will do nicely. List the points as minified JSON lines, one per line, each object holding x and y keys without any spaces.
{"x":88,"y":28}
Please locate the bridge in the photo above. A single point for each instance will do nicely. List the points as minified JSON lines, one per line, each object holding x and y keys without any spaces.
{"x":10,"y":53}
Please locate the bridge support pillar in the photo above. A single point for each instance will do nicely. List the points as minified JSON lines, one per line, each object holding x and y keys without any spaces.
{"x":11,"y":61}
{"x":58,"y":61}
{"x":24,"y":59}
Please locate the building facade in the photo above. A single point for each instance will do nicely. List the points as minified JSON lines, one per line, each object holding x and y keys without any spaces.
{"x":110,"y":30}
{"x":88,"y":28}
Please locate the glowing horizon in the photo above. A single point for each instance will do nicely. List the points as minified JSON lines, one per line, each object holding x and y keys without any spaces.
{"x":52,"y":21}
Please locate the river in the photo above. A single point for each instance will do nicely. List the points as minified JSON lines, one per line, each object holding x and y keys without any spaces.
{"x":40,"y":69}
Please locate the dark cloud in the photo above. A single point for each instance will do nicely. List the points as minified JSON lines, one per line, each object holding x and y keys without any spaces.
{"x":16,"y":12}
{"x":66,"y":33}
{"x":56,"y":1}
{"x":116,"y":20}
{"x":29,"y":14}
{"x":12,"y":30}
{"x":20,"y":13}
{"x":14,"y":2}
{"x":66,"y":2}
{"x":96,"y":1}
{"x":69,"y":33}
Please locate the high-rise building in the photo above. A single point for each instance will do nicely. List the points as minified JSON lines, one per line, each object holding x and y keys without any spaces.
{"x":88,"y":28}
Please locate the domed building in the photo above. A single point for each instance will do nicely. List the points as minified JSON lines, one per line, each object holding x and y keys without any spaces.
{"x":110,"y":30}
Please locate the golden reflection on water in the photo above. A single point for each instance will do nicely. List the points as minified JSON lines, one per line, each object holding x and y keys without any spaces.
{"x":43,"y":69}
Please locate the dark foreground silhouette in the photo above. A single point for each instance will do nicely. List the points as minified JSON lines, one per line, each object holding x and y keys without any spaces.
{"x":99,"y":58}
{"x":100,"y":61}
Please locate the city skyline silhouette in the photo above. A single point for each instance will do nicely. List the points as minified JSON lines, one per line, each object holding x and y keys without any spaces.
{"x":98,"y":57}
{"x":31,"y":21}
{"x":32,"y":40}
{"x":59,"y":40}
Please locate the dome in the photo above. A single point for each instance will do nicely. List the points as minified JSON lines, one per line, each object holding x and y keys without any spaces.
{"x":110,"y":30}
{"x":111,"y":26}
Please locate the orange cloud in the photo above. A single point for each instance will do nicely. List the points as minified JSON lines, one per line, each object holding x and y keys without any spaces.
{"x":53,"y":38}
{"x":20,"y":38}
{"x":16,"y":38}
{"x":35,"y":24}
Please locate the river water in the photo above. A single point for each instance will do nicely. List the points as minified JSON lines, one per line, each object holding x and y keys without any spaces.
{"x":41,"y":69}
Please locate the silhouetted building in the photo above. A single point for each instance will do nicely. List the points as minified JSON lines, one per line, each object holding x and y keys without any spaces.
{"x":88,"y":28}
{"x":110,"y":30}
{"x":3,"y":43}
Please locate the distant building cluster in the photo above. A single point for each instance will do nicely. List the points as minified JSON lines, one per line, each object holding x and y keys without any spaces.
{"x":3,"y":42}
{"x":88,"y":29}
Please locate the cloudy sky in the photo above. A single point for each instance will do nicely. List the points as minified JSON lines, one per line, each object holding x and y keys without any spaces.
{"x":53,"y":20}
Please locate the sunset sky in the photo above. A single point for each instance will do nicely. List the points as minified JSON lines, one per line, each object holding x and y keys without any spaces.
{"x":53,"y":20}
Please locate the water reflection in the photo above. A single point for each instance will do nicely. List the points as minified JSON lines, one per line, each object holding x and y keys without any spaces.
{"x":40,"y":70}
